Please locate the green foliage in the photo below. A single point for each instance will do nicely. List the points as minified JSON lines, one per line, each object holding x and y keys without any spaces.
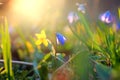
{"x":102,"y":44}
{"x":6,"y":49}
{"x":44,"y":71}
{"x":81,"y":66}
{"x":103,"y":71}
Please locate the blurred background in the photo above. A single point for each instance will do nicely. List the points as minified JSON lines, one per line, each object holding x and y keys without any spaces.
{"x":50,"y":13}
{"x":30,"y":16}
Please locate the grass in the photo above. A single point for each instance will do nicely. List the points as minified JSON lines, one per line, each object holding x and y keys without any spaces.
{"x":6,"y":49}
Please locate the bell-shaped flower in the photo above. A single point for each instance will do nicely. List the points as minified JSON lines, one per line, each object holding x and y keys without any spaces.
{"x":60,"y":38}
{"x":81,"y":7}
{"x":106,"y":17}
{"x":72,"y":17}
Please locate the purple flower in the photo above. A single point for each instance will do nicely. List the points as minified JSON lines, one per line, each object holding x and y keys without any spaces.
{"x":72,"y":17}
{"x":106,"y":17}
{"x":60,"y":38}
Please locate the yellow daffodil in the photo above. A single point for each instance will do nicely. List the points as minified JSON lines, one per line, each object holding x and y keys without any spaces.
{"x":41,"y":38}
{"x":30,"y":47}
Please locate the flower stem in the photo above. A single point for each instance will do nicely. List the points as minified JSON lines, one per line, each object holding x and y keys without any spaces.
{"x":18,"y":62}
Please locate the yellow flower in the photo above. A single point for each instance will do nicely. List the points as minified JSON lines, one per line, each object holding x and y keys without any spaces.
{"x":30,"y":47}
{"x":119,"y":12}
{"x":41,"y":38}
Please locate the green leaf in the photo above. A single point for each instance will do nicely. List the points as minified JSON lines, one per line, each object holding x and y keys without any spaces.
{"x":47,"y":56}
{"x":103,"y":71}
{"x":86,"y":25}
{"x":6,"y":49}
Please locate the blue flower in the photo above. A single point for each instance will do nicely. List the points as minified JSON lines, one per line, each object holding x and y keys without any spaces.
{"x":60,"y":39}
{"x":118,"y":25}
{"x":81,"y":7}
{"x":72,"y":17}
{"x":106,"y":17}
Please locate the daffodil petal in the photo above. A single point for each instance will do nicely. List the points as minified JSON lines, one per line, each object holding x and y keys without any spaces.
{"x":41,"y":38}
{"x":38,"y":36}
{"x":43,"y":35}
{"x":45,"y":42}
{"x":38,"y":42}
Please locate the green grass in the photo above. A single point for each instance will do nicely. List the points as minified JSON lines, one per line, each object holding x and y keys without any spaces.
{"x":6,"y":48}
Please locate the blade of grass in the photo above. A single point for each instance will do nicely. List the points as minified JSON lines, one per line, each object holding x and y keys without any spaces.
{"x":6,"y":49}
{"x":119,"y":12}
{"x":86,"y":24}
{"x":22,"y":36}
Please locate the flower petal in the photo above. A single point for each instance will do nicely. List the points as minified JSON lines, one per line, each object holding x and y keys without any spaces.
{"x":72,"y":17}
{"x":106,"y":17}
{"x":45,"y":42}
{"x":43,"y":35}
{"x":38,"y":42}
{"x":81,"y":8}
{"x":38,"y":36}
{"x":60,"y":38}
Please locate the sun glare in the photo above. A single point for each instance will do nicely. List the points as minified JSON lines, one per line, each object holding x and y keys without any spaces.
{"x":29,"y":8}
{"x":36,"y":10}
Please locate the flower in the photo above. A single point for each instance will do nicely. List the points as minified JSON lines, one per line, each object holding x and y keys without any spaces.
{"x":30,"y":47}
{"x":106,"y":17}
{"x":72,"y":17}
{"x":118,"y":25}
{"x":41,"y":38}
{"x":81,"y":7}
{"x":60,"y":38}
{"x":119,"y":12}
